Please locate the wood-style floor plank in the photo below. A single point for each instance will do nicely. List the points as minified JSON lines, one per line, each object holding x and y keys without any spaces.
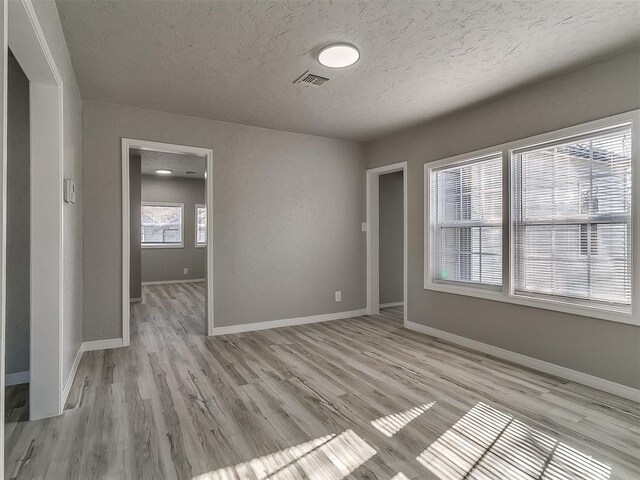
{"x":357,"y":398}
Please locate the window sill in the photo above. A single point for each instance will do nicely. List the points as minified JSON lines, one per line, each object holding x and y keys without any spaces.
{"x":157,"y":245}
{"x":200,"y":245}
{"x":543,"y":303}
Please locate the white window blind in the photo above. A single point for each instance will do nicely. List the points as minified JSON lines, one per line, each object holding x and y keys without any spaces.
{"x":572,"y":206}
{"x":201,"y":225}
{"x":466,"y":215}
{"x":161,"y":224}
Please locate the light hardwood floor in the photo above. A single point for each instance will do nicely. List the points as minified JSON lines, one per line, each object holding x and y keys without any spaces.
{"x":356,"y":398}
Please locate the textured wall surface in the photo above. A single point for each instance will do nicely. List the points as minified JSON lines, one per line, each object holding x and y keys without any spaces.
{"x":391,"y":250}
{"x":287,"y":215}
{"x":606,"y":349}
{"x":72,"y":145}
{"x":135,"y":253}
{"x":18,"y":226}
{"x":236,"y":61}
{"x":166,"y":264}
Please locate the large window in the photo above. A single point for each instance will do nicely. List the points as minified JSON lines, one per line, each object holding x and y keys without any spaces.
{"x":201,"y":226}
{"x":568,"y":242}
{"x":467,"y":221}
{"x":161,"y":225}
{"x":572,"y":218}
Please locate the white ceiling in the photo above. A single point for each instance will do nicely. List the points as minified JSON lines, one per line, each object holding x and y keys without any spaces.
{"x":235,"y":60}
{"x":178,"y":164}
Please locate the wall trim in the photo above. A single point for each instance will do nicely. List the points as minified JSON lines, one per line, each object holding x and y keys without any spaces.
{"x":167,"y":282}
{"x":101,"y":344}
{"x":17,"y":378}
{"x":599,"y":383}
{"x":392,"y":304}
{"x":287,"y":322}
{"x":72,"y":376}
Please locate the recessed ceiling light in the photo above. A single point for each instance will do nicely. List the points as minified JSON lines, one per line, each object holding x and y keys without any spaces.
{"x":163,"y":171}
{"x":338,"y":55}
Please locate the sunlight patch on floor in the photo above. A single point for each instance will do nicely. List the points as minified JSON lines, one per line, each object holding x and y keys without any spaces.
{"x":392,"y":424}
{"x":486,"y":443}
{"x":332,"y":457}
{"x":400,"y":476}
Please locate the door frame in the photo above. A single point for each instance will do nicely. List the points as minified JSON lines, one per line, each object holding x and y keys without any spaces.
{"x":127,"y":145}
{"x":373,"y":236}
{"x":25,"y":37}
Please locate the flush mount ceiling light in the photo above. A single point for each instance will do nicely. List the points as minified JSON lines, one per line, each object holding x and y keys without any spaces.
{"x":163,"y":171}
{"x":338,"y":55}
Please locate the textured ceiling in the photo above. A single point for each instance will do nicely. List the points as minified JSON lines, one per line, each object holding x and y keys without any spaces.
{"x":178,"y":164}
{"x":236,"y":60}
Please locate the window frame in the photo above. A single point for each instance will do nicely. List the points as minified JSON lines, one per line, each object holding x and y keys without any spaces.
{"x":434,"y":168}
{"x":195,"y":239}
{"x":507,"y":294}
{"x":164,"y":245}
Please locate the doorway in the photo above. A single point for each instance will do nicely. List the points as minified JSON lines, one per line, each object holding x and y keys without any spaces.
{"x":46,"y":392}
{"x":18,"y":288}
{"x":167,"y":229}
{"x":384,"y":184}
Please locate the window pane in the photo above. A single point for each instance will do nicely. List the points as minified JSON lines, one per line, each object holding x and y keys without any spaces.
{"x":466,"y":215}
{"x":201,"y":225}
{"x":573,"y":213}
{"x":161,"y":224}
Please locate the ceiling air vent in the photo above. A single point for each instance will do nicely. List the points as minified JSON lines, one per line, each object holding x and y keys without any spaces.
{"x":311,"y":79}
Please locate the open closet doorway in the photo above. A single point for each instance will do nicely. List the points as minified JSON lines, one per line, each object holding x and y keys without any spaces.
{"x":167,"y":257}
{"x":35,"y":205}
{"x":18,"y":274}
{"x":387,"y":241}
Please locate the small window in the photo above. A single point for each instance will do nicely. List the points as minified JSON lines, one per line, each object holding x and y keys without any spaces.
{"x":201,"y":226}
{"x":572,"y":225}
{"x":161,"y":225}
{"x":466,"y":202}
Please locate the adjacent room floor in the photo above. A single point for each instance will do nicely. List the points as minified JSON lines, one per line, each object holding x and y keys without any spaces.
{"x":356,"y":398}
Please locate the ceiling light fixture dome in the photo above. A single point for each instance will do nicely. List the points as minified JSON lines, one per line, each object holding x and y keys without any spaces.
{"x":338,"y":55}
{"x":164,"y":171}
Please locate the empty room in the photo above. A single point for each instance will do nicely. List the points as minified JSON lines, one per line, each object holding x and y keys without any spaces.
{"x":320,"y":240}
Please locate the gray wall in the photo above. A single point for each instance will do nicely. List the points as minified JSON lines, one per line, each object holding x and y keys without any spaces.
{"x":72,"y":144}
{"x":606,"y":349}
{"x":391,"y":248}
{"x":135,"y":254}
{"x":18,"y":224}
{"x":166,"y":264}
{"x":287,"y":215}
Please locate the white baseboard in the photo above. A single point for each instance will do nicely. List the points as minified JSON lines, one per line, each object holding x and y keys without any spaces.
{"x":17,"y":378}
{"x":286,"y":322}
{"x":534,"y":363}
{"x":392,"y":304}
{"x":135,"y":300}
{"x":101,"y":344}
{"x":167,"y":282}
{"x":72,"y":375}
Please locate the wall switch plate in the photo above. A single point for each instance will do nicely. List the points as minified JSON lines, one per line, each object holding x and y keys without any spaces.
{"x":364,"y":226}
{"x":338,"y":296}
{"x":185,"y":271}
{"x":69,"y":191}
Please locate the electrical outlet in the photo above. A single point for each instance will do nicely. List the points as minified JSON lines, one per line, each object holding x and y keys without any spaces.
{"x":185,"y":271}
{"x":338,"y":296}
{"x":364,"y":226}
